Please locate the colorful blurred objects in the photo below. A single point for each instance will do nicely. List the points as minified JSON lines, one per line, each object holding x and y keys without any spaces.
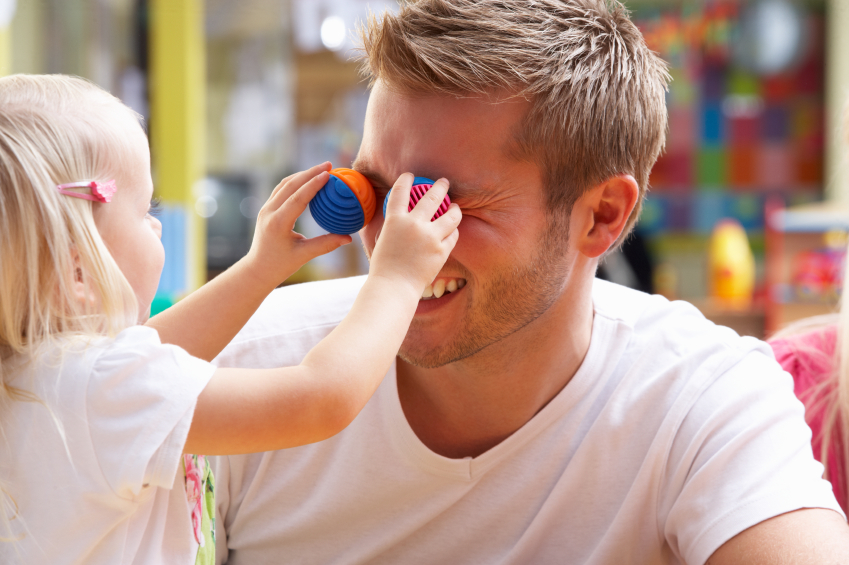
{"x":746,"y":110}
{"x":706,"y":29}
{"x":804,"y":249}
{"x":737,"y":123}
{"x":818,"y":273}
{"x":731,"y":265}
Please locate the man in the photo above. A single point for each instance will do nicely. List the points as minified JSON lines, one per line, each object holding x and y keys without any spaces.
{"x":534,"y":415}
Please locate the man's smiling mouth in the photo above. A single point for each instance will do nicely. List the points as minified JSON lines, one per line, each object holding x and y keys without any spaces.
{"x":441,"y":286}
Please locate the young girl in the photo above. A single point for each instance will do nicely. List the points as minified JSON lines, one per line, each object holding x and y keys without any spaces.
{"x":95,"y":412}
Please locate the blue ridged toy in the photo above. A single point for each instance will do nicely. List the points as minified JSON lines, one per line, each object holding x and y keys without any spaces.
{"x":345,"y":204}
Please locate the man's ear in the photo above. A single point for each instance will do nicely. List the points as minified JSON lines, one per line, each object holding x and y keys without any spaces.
{"x":601,"y":213}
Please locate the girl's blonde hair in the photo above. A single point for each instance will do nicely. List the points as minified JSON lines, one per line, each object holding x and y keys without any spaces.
{"x":55,"y":130}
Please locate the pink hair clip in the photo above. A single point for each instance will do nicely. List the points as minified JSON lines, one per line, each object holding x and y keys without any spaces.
{"x":100,"y":191}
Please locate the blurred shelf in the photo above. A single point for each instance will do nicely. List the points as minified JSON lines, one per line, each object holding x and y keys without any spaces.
{"x":791,"y":234}
{"x":817,"y":217}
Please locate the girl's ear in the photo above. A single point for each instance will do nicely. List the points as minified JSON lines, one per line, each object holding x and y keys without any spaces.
{"x":81,"y":293}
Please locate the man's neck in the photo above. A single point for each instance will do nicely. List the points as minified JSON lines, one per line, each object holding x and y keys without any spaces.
{"x":466,"y":408}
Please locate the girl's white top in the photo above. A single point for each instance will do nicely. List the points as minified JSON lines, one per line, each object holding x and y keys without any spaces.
{"x":94,"y":468}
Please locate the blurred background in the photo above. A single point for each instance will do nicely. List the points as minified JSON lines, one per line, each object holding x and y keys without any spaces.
{"x":749,"y":206}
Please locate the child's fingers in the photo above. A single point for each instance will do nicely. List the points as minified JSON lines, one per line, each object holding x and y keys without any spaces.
{"x":399,"y":196}
{"x":448,"y":221}
{"x":280,"y":185}
{"x":323,"y":244}
{"x":292,"y":183}
{"x":295,"y":205}
{"x":318,"y":168}
{"x":432,"y":199}
{"x":451,"y":240}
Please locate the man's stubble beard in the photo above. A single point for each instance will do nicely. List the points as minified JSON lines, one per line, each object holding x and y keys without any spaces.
{"x":508,"y":302}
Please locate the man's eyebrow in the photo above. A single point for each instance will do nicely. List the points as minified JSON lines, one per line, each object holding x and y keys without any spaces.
{"x":461,"y":190}
{"x":456,"y":190}
{"x":371,"y":174}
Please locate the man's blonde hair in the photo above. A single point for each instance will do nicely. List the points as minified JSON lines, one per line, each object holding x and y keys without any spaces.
{"x":597,"y":92}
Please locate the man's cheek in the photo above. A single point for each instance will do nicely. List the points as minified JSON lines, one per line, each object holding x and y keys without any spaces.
{"x":476,"y":239}
{"x":499,"y":241}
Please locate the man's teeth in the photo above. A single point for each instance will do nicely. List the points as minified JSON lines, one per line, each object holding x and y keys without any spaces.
{"x":441,"y":286}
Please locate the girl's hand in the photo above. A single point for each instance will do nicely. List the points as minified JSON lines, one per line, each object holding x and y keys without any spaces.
{"x":410,"y":247}
{"x":277,"y":251}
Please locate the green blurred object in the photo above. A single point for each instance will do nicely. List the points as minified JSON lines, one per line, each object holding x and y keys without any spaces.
{"x":743,"y":83}
{"x":711,"y":168}
{"x":159,"y":304}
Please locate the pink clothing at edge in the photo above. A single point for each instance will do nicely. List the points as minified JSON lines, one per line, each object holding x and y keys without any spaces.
{"x":809,"y":357}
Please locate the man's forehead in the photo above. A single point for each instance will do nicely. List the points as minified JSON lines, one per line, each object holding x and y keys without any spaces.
{"x":435,"y":135}
{"x":454,"y":111}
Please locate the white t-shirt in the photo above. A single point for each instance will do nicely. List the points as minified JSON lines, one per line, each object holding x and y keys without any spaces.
{"x":125,"y":406}
{"x":673,"y":436}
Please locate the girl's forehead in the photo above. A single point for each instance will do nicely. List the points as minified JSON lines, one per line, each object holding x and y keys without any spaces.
{"x":120,"y":139}
{"x":131,"y":168}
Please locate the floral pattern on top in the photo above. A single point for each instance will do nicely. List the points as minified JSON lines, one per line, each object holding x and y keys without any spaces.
{"x":200,"y":494}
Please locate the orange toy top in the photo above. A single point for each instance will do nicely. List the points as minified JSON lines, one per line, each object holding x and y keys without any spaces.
{"x":361,"y":188}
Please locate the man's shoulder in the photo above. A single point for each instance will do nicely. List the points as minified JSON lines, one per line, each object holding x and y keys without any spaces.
{"x":637,"y":309}
{"x":292,"y":319}
{"x":668,"y":328}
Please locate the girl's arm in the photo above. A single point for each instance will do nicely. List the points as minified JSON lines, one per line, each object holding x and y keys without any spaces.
{"x":249,"y":410}
{"x":206,"y":320}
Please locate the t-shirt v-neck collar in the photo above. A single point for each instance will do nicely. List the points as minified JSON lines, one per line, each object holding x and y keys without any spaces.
{"x":606,"y":347}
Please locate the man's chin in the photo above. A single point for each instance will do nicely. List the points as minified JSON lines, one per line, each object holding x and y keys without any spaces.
{"x":421,"y":355}
{"x":420,"y":351}
{"x":422,"y":360}
{"x":426,"y":353}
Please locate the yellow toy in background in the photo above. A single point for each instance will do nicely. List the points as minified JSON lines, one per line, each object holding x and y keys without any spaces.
{"x":731,"y":265}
